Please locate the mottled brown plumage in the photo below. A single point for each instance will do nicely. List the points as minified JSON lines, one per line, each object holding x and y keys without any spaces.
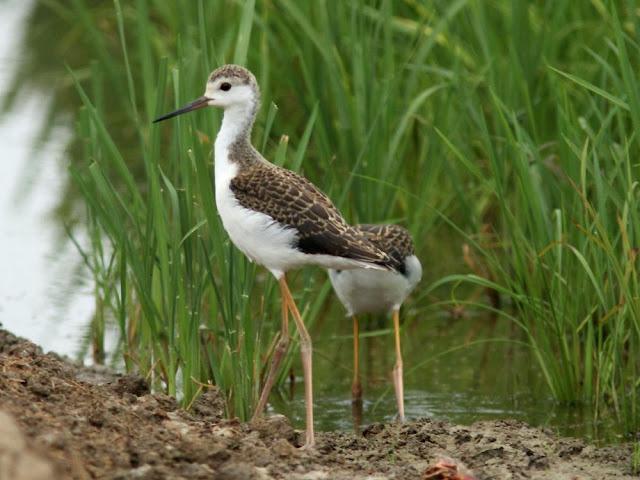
{"x":295,"y":202}
{"x":230,"y":72}
{"x":392,"y":239}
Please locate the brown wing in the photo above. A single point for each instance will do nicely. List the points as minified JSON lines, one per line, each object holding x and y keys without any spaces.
{"x":392,"y":239}
{"x":292,"y":200}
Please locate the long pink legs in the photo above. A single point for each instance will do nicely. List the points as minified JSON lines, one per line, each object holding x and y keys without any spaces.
{"x":398,"y":384}
{"x":289,"y":305}
{"x":306,"y":353}
{"x":276,"y":360}
{"x":356,"y":387}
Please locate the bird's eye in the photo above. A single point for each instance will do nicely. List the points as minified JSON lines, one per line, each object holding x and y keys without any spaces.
{"x":225,"y":86}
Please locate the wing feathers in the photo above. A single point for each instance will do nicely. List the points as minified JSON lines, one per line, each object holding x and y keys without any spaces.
{"x":292,"y":200}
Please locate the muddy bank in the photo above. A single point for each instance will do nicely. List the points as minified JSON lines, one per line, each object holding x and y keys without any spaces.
{"x":58,"y":420}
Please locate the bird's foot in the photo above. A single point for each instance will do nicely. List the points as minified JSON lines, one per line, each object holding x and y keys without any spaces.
{"x":309,"y":445}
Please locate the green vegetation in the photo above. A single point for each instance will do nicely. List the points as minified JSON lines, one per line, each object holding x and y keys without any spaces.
{"x":505,"y":127}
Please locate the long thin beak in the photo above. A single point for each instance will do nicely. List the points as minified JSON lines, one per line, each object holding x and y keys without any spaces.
{"x":195,"y":105}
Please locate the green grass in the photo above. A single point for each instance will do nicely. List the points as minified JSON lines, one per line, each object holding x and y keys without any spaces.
{"x":506,"y":126}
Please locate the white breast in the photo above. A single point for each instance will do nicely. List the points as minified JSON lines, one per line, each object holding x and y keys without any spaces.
{"x":259,"y":236}
{"x":373,"y":291}
{"x":254,"y":233}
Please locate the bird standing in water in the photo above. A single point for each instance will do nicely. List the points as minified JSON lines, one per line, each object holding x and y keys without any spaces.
{"x":368,"y":291}
{"x":276,"y":217}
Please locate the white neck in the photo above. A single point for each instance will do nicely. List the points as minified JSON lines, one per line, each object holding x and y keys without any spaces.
{"x":236,"y":123}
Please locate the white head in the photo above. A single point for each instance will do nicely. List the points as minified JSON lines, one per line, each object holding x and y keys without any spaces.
{"x":232,"y":85}
{"x":228,"y":87}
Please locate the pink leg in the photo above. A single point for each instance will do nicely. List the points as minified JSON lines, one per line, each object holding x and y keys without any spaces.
{"x":397,"y":369}
{"x":356,"y":386}
{"x":306,"y":353}
{"x":276,"y":360}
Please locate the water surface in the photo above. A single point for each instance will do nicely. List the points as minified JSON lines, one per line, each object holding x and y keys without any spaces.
{"x":44,"y":295}
{"x":462,"y":370}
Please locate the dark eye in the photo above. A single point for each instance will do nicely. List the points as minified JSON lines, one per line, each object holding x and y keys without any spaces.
{"x":225,"y":86}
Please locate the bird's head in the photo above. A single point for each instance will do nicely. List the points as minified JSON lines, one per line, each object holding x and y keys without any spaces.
{"x":230,"y":86}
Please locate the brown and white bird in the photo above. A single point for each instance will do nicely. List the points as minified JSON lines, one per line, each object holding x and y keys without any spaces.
{"x":378,"y":291}
{"x":276,"y":217}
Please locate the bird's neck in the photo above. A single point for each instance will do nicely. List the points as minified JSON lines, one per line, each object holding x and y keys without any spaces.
{"x":237,"y":123}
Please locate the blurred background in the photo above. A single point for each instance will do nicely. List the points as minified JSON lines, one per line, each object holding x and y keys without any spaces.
{"x":502,"y":134}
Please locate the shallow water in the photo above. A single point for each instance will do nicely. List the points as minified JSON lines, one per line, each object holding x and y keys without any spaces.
{"x":463,"y":377}
{"x":46,"y":296}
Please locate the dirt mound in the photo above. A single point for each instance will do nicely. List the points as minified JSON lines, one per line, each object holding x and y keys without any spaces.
{"x":87,"y":423}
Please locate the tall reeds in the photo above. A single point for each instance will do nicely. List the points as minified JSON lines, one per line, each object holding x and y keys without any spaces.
{"x":507,"y":126}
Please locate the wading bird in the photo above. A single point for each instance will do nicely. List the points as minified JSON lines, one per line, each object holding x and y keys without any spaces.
{"x":276,"y":217}
{"x":374,"y":291}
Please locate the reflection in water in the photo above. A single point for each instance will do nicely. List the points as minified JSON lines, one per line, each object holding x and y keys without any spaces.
{"x":462,"y":384}
{"x":40,"y":268}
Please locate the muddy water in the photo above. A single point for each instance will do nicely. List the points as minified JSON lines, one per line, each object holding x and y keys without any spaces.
{"x":463,"y":370}
{"x":452,"y":371}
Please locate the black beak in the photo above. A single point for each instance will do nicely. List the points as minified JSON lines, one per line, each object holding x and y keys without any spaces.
{"x":195,"y":105}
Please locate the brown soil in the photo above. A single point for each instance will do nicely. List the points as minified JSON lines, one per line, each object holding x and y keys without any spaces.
{"x":59,"y":420}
